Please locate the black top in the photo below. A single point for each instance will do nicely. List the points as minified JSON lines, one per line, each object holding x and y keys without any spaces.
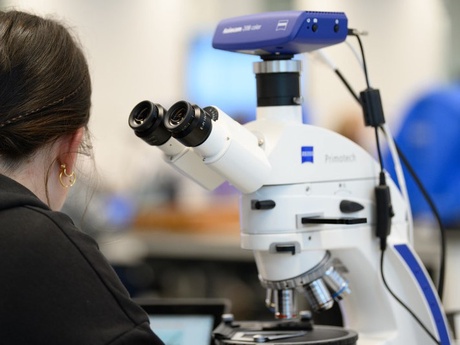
{"x":55,"y":285}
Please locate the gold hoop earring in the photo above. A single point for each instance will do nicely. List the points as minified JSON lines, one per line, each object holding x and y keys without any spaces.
{"x":72,"y":177}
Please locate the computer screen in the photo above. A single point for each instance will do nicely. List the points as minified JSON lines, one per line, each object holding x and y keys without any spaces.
{"x":185,"y":321}
{"x":183,"y":329}
{"x":221,"y":78}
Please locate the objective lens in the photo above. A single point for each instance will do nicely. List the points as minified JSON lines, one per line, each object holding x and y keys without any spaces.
{"x":146,"y":119}
{"x":188,"y":123}
{"x":270,"y":300}
{"x":336,"y":283}
{"x":285,"y":307}
{"x":318,"y":295}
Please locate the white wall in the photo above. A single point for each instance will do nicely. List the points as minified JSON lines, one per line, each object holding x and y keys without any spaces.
{"x":136,"y":50}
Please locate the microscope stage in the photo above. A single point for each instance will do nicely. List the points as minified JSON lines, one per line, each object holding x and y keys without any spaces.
{"x":282,"y":333}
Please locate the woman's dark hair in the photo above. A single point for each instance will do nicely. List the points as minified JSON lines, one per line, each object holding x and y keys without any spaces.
{"x":45,"y":87}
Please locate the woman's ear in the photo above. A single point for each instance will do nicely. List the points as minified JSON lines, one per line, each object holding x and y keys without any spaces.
{"x":68,"y":149}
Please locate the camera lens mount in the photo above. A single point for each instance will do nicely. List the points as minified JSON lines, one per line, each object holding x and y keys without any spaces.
{"x":146,"y":119}
{"x":188,"y":123}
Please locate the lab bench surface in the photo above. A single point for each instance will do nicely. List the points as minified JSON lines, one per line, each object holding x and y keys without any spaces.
{"x":133,"y":245}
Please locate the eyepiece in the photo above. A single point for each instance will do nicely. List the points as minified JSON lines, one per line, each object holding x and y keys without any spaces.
{"x":146,"y":119}
{"x":178,"y":116}
{"x":188,"y":123}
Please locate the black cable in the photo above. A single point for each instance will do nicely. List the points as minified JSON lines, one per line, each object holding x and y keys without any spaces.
{"x":403,"y":304}
{"x":347,"y":85}
{"x":436,"y":214}
{"x":353,"y":32}
{"x":379,"y":151}
{"x":412,"y":172}
{"x":382,"y":183}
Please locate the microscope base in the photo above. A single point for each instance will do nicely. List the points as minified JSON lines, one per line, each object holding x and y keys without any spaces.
{"x":281,"y":333}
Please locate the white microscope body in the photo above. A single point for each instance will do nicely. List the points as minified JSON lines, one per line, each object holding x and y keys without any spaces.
{"x":308,"y":205}
{"x":336,"y":173}
{"x":307,"y":212}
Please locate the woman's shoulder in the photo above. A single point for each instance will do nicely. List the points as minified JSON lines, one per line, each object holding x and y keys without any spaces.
{"x":42,"y":225}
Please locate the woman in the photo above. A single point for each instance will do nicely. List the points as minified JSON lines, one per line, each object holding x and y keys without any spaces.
{"x":56,"y":287}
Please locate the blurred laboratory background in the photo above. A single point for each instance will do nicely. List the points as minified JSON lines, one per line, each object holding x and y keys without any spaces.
{"x":166,"y":236}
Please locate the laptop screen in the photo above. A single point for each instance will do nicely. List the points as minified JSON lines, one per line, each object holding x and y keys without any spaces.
{"x":183,"y":329}
{"x":185,"y":321}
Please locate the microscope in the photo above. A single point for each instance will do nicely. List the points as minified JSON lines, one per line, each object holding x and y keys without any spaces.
{"x":309,"y":206}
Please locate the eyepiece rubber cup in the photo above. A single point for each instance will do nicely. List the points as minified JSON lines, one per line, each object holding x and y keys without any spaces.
{"x":188,"y":123}
{"x":146,"y":119}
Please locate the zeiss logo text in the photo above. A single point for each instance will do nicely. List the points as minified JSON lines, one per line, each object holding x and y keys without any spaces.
{"x":307,"y":154}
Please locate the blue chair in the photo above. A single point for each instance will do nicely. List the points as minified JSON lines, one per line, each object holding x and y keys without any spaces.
{"x":429,"y":137}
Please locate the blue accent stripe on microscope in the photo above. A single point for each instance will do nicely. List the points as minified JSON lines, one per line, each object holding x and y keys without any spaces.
{"x":427,"y":290}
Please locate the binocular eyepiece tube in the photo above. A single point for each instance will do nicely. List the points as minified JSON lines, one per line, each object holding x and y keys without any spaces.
{"x":220,"y":144}
{"x":147,"y":120}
